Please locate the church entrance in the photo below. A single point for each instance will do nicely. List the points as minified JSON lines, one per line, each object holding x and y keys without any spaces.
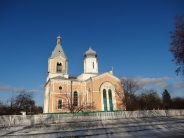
{"x":107,"y":100}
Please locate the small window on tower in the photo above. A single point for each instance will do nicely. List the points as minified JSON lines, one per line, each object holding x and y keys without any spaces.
{"x":59,"y":67}
{"x":93,"y":65}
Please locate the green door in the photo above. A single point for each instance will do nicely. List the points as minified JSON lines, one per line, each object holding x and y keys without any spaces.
{"x":110,"y":100}
{"x":104,"y":100}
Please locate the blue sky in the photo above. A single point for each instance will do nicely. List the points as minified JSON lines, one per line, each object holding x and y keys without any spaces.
{"x":130,"y":35}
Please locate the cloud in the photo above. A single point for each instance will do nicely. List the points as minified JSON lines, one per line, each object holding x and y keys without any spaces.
{"x":10,"y":88}
{"x":159,"y":82}
{"x":180,"y":85}
{"x":175,"y":86}
{"x":13,"y":89}
{"x":33,"y":91}
{"x":162,"y":85}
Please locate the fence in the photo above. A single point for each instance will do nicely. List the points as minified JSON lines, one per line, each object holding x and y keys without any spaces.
{"x":27,"y":120}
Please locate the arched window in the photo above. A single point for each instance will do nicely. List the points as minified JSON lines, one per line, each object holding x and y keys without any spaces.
{"x":59,"y":67}
{"x":105,"y":100}
{"x":110,"y":100}
{"x":59,"y":104}
{"x":110,"y":93}
{"x":104,"y":93}
{"x":75,"y":99}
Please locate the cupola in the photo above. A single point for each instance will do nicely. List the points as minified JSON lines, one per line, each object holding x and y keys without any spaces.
{"x":90,"y":53}
{"x":90,"y":61}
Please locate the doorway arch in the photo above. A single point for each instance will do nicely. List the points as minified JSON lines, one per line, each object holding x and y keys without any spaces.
{"x":108,"y":100}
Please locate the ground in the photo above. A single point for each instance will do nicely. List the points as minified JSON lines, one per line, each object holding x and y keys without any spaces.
{"x":158,"y":127}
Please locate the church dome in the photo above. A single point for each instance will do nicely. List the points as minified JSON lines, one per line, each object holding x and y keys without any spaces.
{"x":90,"y":52}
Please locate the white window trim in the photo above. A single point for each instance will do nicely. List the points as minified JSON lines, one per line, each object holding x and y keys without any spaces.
{"x":111,"y":86}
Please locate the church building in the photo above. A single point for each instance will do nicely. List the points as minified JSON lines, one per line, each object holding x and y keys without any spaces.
{"x":89,"y":91}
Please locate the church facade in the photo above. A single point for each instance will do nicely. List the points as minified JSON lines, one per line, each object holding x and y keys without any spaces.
{"x":89,"y":91}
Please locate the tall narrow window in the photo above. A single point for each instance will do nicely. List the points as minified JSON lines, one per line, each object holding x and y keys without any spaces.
{"x":93,"y":65}
{"x":110,"y":93}
{"x":104,"y":100}
{"x":110,"y":100}
{"x":59,"y":67}
{"x":60,"y":104}
{"x":104,"y":93}
{"x":75,"y":99}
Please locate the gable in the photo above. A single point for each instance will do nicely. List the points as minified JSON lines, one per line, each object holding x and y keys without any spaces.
{"x":102,"y":78}
{"x":106,"y":75}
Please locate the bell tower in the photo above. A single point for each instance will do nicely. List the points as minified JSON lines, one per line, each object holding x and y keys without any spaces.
{"x":58,"y":63}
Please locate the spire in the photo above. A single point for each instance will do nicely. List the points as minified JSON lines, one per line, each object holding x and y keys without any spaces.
{"x":58,"y":51}
{"x":111,"y":71}
{"x":58,"y":40}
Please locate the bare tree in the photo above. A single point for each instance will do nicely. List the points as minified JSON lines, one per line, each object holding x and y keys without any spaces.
{"x":24,"y":101}
{"x":18,"y":102}
{"x":1,"y":105}
{"x":177,"y":44}
{"x":80,"y":105}
{"x":177,"y":103}
{"x":130,"y":87}
{"x":149,"y":100}
{"x":3,"y":108}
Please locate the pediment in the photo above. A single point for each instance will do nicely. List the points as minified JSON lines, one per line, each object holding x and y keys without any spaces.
{"x":106,"y":74}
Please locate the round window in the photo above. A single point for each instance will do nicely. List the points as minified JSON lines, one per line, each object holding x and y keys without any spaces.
{"x":60,"y":88}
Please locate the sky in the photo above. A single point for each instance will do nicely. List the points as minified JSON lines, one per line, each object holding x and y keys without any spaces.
{"x":132,"y":36}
